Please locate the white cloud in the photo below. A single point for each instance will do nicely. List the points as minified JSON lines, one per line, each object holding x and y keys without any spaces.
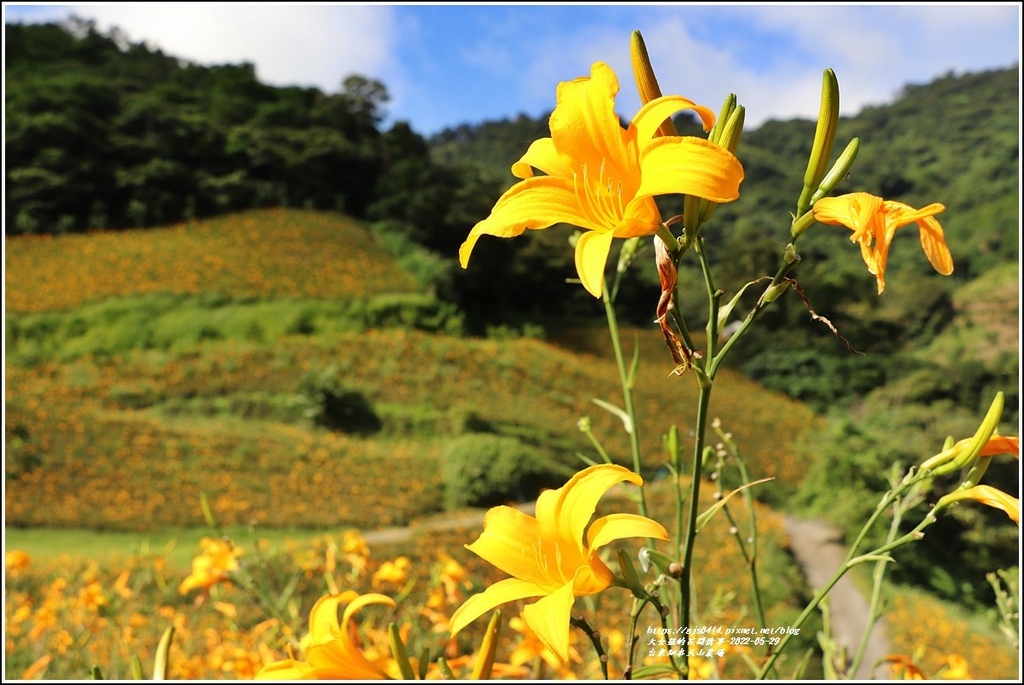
{"x":313,"y":45}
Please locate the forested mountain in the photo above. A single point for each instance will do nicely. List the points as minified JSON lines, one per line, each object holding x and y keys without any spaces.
{"x":105,"y":133}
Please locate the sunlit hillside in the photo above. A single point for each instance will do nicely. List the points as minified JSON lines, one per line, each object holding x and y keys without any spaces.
{"x":216,"y":398}
{"x":270,"y":253}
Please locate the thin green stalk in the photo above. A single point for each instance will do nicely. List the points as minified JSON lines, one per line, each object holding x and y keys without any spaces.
{"x":716,"y":359}
{"x":679,"y":526}
{"x":638,"y":606}
{"x":878,"y":577}
{"x":749,"y":556}
{"x":703,"y":402}
{"x":595,"y":639}
{"x":713,"y":297}
{"x":627,"y":392}
{"x":700,"y":428}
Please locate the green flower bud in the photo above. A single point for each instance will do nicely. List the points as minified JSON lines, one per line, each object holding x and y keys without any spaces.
{"x":824,"y":137}
{"x":965,"y":452}
{"x":838,"y":171}
{"x":728,"y":132}
{"x":646,"y":82}
{"x":723,"y":117}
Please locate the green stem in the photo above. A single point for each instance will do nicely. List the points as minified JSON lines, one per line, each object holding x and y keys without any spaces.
{"x":755,"y":586}
{"x":638,"y":606}
{"x":703,"y":402}
{"x":595,"y":639}
{"x":627,"y":392}
{"x":878,"y":577}
{"x":759,"y":306}
{"x":713,"y":297}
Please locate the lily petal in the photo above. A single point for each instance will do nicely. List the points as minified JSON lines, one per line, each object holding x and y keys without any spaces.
{"x":533,"y":203}
{"x":543,"y":155}
{"x":548,"y":618}
{"x":1001,"y":444}
{"x":620,"y":526}
{"x":508,"y":590}
{"x":288,"y":669}
{"x":583,"y":124}
{"x":933,"y":242}
{"x":335,"y":661}
{"x":988,"y":495}
{"x":509,"y":541}
{"x":577,"y":499}
{"x":691,"y":166}
{"x":648,"y":120}
{"x":592,"y":250}
{"x":323,"y":617}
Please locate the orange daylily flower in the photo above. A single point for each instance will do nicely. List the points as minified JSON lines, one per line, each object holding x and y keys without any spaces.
{"x":602,"y":177}
{"x":903,"y":668}
{"x":986,"y":494}
{"x":329,"y":649}
{"x":555,"y":555}
{"x":394,"y":572}
{"x":874,"y":222}
{"x":16,"y":561}
{"x":215,"y":564}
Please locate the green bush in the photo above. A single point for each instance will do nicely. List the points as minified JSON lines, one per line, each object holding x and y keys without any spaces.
{"x":335,"y":407}
{"x":412,"y":310}
{"x":484,"y":470}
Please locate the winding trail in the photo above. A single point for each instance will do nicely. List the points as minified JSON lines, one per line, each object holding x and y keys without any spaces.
{"x":818,"y":549}
{"x":816,"y":546}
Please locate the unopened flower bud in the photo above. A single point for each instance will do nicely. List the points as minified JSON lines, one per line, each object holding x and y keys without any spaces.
{"x":966,"y":451}
{"x":824,"y":138}
{"x":838,"y":171}
{"x":646,"y":82}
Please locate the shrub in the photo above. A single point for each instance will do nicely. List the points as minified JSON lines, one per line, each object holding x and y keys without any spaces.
{"x":332,"y":406}
{"x":484,"y":470}
{"x":412,"y":310}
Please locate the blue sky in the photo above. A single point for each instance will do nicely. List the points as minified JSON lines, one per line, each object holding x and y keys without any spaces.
{"x":449,"y":64}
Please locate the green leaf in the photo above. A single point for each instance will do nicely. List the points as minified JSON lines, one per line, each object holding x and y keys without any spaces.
{"x":162,"y":653}
{"x":627,"y":423}
{"x":703,"y":519}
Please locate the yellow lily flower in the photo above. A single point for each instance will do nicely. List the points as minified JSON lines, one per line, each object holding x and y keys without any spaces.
{"x":555,"y":555}
{"x":956,"y":668}
{"x":874,"y":222}
{"x":602,"y":177}
{"x":329,"y":650}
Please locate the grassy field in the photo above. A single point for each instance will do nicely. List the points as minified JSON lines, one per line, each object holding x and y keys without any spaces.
{"x":146,"y":369}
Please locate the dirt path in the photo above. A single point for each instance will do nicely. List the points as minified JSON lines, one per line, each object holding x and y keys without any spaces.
{"x":818,"y":549}
{"x":439,"y":522}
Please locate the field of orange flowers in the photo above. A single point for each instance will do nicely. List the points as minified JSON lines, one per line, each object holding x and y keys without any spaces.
{"x":134,"y":441}
{"x":267,"y":253}
{"x":66,"y":615}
